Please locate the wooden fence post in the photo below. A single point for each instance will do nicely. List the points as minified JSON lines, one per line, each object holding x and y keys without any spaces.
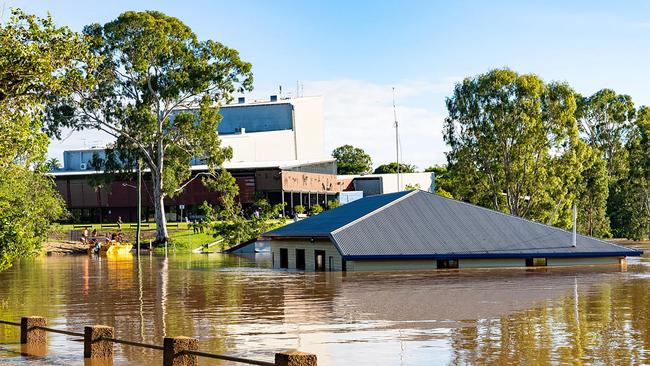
{"x":173,"y":353}
{"x":95,"y":346}
{"x":30,"y":335}
{"x":295,"y":358}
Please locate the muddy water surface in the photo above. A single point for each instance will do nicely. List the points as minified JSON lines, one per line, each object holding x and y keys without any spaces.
{"x":238,"y":306}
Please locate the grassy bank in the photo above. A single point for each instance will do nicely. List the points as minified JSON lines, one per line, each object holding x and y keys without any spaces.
{"x":181,"y":235}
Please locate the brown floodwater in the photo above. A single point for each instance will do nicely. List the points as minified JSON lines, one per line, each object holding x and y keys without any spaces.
{"x":238,"y":306}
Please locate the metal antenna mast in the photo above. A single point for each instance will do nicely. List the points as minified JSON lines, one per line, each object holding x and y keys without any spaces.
{"x":396,"y":140}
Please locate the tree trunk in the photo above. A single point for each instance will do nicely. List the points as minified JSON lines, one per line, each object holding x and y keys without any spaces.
{"x":159,"y":205}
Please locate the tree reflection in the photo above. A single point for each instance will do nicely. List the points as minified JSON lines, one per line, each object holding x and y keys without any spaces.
{"x":605,"y":324}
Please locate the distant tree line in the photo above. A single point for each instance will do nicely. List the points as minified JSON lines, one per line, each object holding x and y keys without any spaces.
{"x":533,"y":149}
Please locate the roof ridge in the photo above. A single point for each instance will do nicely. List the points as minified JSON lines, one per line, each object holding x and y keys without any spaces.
{"x":520,"y":218}
{"x":371,"y":213}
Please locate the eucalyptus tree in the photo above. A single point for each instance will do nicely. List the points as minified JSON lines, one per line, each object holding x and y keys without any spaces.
{"x":630,"y":208}
{"x":592,"y":194}
{"x":158,"y":92}
{"x":604,"y":119}
{"x":513,"y":144}
{"x":38,"y":62}
{"x":352,"y":160}
{"x":391,"y":168}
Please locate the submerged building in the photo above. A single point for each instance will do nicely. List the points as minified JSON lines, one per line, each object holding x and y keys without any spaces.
{"x":422,"y":230}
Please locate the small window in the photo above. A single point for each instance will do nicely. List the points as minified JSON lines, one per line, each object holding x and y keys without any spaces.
{"x":284,"y":258}
{"x":535,"y":262}
{"x":447,"y":263}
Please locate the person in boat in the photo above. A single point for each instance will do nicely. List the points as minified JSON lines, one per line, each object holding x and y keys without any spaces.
{"x":84,"y":235}
{"x":92,"y":240}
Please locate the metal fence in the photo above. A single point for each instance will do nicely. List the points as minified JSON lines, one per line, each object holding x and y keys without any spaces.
{"x":99,"y":341}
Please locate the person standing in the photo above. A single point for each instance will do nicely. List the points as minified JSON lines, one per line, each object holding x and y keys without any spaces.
{"x":119,"y":223}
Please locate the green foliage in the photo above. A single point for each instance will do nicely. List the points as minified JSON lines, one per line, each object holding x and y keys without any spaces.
{"x":28,"y":204}
{"x":333,"y":204}
{"x":392,"y":168}
{"x":352,"y":160}
{"x":412,"y":187}
{"x":443,"y":180}
{"x":629,"y":205}
{"x":604,"y":119}
{"x":38,"y":62}
{"x":158,"y":93}
{"x":316,"y":209}
{"x":512,"y":142}
{"x":234,"y":225}
{"x":592,"y":193}
{"x":299,"y":209}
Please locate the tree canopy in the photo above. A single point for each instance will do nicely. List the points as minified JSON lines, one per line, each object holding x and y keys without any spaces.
{"x":38,"y":62}
{"x":514,"y":144}
{"x":352,"y":160}
{"x":392,"y":168}
{"x":158,"y":91}
{"x":235,"y":225}
{"x":534,"y":149}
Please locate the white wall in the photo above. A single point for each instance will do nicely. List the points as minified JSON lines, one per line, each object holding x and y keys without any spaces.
{"x":261,"y":146}
{"x":305,"y":142}
{"x":310,"y":260}
{"x":309,"y":127}
{"x":423,"y":180}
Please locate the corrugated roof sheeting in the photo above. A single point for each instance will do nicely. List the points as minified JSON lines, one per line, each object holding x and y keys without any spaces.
{"x":326,"y":222}
{"x":419,"y":223}
{"x":428,"y":224}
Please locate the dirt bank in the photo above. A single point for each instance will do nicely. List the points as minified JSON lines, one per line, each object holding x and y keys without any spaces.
{"x":64,"y":248}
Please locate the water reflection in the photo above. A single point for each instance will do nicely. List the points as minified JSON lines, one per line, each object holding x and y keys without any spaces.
{"x":237,"y":305}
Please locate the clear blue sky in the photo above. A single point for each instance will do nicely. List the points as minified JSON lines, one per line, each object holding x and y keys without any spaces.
{"x":353,"y":52}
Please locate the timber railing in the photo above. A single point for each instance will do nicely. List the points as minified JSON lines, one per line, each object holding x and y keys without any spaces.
{"x":177,"y":351}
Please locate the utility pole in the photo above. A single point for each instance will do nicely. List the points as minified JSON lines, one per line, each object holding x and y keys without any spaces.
{"x":396,"y":140}
{"x":137,"y":235}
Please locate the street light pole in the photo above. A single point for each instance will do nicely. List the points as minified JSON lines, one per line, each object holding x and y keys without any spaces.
{"x":396,"y":140}
{"x":137,"y":235}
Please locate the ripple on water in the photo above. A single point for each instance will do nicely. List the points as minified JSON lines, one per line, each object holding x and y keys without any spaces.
{"x":240,"y":307}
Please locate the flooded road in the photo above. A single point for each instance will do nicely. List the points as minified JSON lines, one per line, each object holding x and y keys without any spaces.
{"x":237,"y":306}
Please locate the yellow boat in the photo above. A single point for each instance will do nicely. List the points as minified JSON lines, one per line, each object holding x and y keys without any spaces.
{"x":116,"y":248}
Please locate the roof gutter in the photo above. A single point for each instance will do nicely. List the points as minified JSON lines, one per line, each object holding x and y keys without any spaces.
{"x":630,"y":253}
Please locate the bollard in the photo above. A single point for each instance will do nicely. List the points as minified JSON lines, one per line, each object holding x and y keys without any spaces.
{"x":94,"y":346}
{"x":30,"y":335}
{"x":295,"y":358}
{"x":173,"y":353}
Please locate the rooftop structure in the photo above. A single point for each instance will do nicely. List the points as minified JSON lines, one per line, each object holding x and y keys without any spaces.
{"x":373,"y":184}
{"x":271,"y":131}
{"x":417,"y":229}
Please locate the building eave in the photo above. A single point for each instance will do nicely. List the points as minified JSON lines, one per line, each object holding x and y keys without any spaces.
{"x":630,"y":253}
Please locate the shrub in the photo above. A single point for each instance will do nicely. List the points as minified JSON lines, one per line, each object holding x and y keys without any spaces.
{"x":333,"y":204}
{"x":316,"y":209}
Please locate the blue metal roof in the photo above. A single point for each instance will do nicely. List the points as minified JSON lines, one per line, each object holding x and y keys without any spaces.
{"x":420,"y":224}
{"x":323,"y":224}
